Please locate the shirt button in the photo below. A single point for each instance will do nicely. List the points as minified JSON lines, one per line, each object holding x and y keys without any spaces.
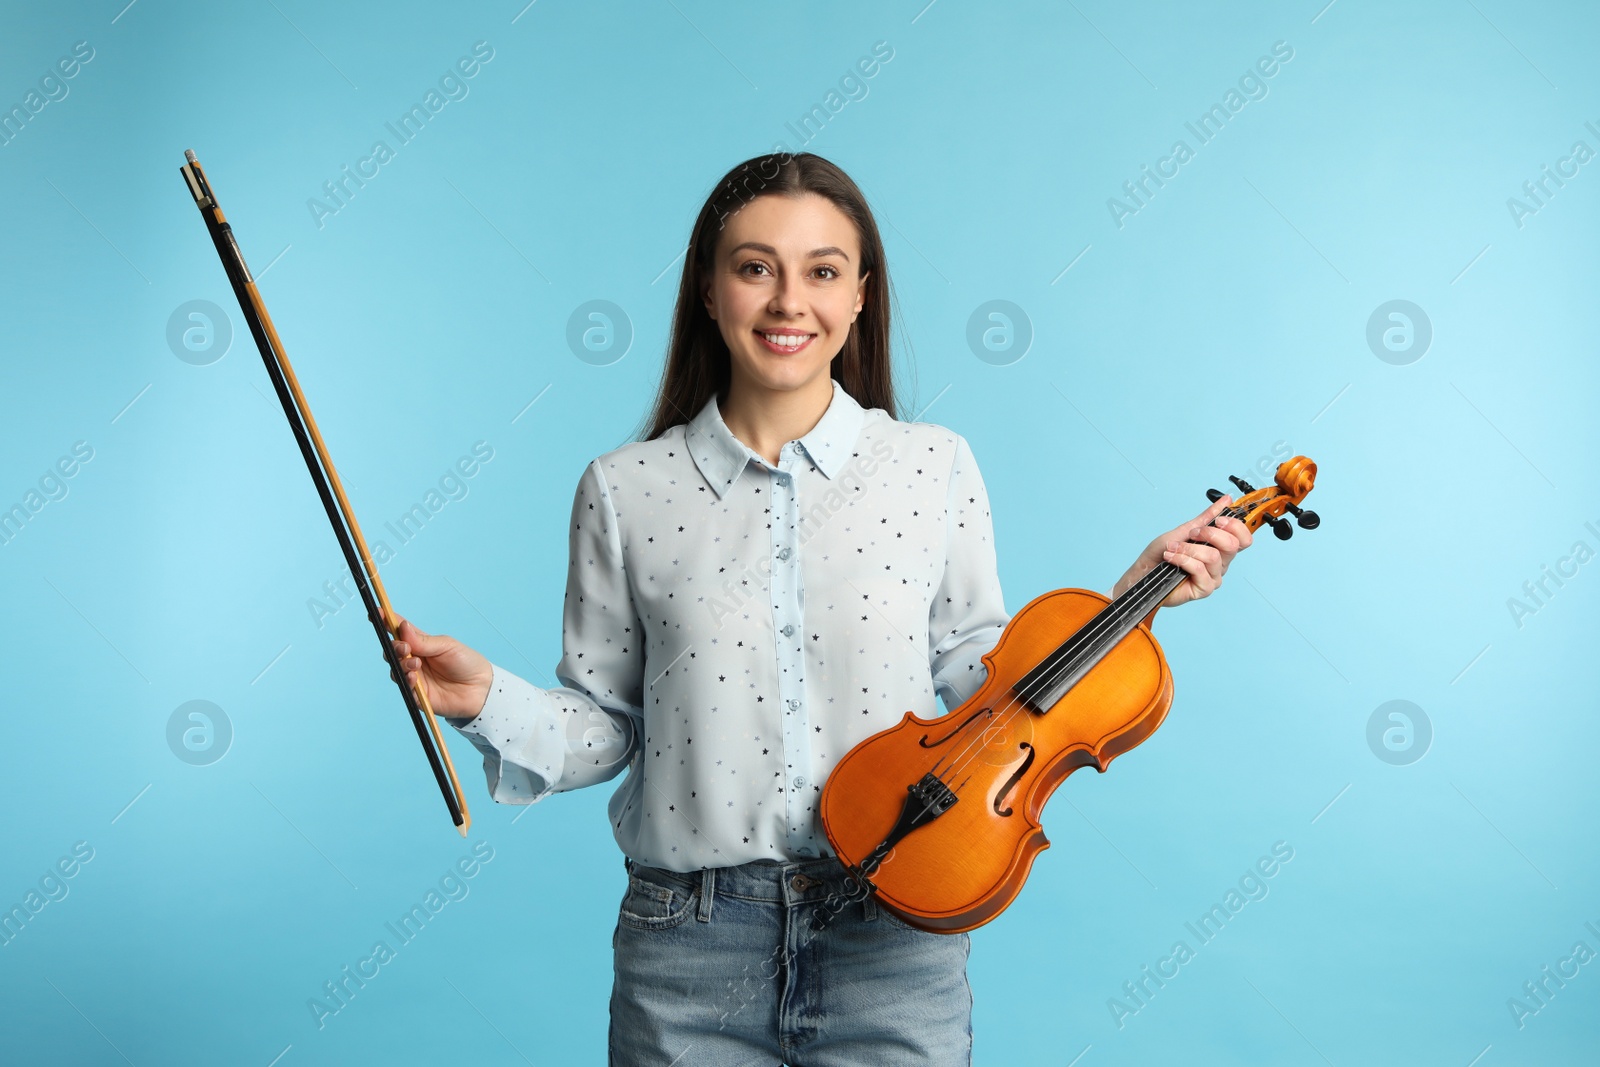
{"x":793,"y":703}
{"x":799,"y":781}
{"x":788,"y":629}
{"x":783,"y":553}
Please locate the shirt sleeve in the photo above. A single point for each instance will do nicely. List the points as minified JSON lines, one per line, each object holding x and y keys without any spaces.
{"x":585,"y":731}
{"x":968,"y":613}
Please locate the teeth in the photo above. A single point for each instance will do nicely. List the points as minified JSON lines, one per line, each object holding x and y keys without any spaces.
{"x":787,"y":340}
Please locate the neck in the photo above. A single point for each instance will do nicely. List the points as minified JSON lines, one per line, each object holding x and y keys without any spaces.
{"x":768,"y":419}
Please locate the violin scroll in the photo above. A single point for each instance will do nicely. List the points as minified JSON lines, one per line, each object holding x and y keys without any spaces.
{"x":1295,"y":479}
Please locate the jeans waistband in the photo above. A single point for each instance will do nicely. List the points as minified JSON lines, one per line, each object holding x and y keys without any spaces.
{"x":760,"y":880}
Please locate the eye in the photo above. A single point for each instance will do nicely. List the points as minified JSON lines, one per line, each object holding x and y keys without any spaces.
{"x":833,"y":274}
{"x":752,"y":263}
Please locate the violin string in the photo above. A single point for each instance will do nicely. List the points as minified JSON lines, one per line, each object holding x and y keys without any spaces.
{"x":1135,"y":593}
{"x":1131,"y":603}
{"x":1089,"y":642}
{"x":1090,"y":638}
{"x":965,"y":755}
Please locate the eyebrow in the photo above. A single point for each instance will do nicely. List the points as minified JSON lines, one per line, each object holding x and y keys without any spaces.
{"x":816,"y":253}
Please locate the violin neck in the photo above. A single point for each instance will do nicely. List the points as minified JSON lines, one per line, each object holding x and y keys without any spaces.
{"x":1141,"y":598}
{"x":1058,"y":672}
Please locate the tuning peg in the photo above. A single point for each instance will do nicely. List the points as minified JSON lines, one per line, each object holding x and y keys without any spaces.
{"x":1244,"y":486}
{"x":1213,"y":495}
{"x":1307,"y":518}
{"x":1281,"y":528}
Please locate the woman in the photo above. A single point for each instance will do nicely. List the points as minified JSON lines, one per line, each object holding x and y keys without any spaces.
{"x":776,"y":570}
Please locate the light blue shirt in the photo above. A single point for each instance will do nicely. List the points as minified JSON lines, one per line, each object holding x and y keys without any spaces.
{"x":732,"y":629}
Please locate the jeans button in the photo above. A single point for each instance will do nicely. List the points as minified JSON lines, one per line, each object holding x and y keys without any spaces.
{"x":801,"y":883}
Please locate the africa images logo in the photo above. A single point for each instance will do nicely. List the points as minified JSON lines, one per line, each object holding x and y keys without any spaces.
{"x":1252,"y":85}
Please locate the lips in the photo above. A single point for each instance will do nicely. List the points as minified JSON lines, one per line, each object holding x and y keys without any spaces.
{"x":790,"y":340}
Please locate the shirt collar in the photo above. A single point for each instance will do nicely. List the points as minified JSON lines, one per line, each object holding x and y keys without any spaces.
{"x":722,"y":457}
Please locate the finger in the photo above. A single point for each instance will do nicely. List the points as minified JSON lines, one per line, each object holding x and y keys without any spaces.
{"x":1222,"y":537}
{"x":1200,"y":579}
{"x":1203,"y":521}
{"x":1182,"y":561}
{"x":1208,"y":555}
{"x":1239,"y":528}
{"x":1200,"y":571}
{"x":1214,"y":534}
{"x":1214,"y":510}
{"x":421,"y":644}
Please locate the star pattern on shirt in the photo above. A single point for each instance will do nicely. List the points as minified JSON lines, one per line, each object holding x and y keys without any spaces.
{"x":709,"y":581}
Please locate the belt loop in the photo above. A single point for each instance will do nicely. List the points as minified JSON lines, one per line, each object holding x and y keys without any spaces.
{"x":708,"y":889}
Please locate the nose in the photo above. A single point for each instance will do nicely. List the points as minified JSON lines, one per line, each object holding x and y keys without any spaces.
{"x":787,"y":298}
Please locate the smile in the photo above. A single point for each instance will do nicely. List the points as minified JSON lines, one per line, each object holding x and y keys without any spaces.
{"x":785,"y":342}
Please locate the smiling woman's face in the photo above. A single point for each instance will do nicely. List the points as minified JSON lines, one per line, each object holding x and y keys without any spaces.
{"x":784,"y":289}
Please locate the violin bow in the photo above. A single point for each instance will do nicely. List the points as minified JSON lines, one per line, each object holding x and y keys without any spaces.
{"x":342,"y":517}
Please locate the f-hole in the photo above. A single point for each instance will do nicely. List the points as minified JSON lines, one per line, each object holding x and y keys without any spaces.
{"x":1011,"y":783}
{"x":962,"y":725}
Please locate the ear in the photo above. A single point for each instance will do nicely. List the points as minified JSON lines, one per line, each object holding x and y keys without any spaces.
{"x":861,"y":293}
{"x":711,"y":306}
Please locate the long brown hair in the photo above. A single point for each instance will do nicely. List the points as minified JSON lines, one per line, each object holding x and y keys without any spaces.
{"x":698,"y":364}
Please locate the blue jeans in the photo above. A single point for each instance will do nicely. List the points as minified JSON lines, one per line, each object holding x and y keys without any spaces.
{"x":721,"y":967}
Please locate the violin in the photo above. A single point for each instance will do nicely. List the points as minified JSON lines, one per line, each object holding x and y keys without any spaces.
{"x":938,"y":819}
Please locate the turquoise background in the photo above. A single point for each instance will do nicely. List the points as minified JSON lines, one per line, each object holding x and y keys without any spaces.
{"x":1222,"y":326}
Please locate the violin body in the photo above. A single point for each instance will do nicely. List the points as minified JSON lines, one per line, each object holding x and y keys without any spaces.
{"x":963,"y":868}
{"x":938,"y":819}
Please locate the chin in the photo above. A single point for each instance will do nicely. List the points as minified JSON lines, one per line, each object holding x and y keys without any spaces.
{"x":776,"y":374}
{"x":794,"y":376}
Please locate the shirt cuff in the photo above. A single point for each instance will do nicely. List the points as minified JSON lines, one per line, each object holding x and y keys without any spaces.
{"x":519,"y":733}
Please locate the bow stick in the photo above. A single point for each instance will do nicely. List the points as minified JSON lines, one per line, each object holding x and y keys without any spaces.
{"x":384,"y":620}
